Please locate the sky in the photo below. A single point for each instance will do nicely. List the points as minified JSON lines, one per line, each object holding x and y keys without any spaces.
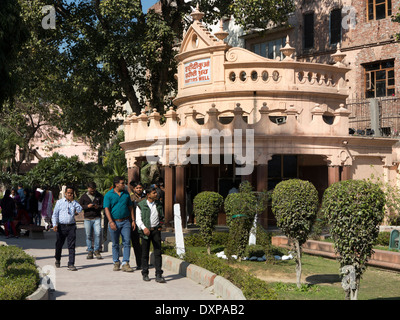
{"x":146,"y":4}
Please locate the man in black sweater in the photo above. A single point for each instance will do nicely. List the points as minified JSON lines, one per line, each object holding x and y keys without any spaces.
{"x":92,"y":204}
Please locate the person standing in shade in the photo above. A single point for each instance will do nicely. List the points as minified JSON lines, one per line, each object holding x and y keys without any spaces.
{"x":137,"y":195}
{"x":63,"y":220}
{"x":8,"y":213}
{"x":118,"y":208}
{"x":149,"y":219}
{"x":92,"y":204}
{"x":21,"y":194}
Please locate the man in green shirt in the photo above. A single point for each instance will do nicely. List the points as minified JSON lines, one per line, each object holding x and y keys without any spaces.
{"x":118,"y":208}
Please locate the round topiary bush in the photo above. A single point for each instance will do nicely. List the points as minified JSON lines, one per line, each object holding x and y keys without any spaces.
{"x":206,"y":206}
{"x":354,"y":210}
{"x":295,"y":206}
{"x":240,"y":209}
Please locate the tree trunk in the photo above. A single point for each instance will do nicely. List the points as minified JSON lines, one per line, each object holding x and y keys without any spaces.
{"x":350,"y":282}
{"x":354,"y":293}
{"x":127,"y":86}
{"x":298,"y":263}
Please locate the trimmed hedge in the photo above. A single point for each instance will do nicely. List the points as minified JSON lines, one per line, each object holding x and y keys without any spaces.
{"x":218,"y":238}
{"x":252,"y":287}
{"x":295,"y":206}
{"x":354,"y":210}
{"x":240,"y":209}
{"x":19,"y":276}
{"x":206,"y":206}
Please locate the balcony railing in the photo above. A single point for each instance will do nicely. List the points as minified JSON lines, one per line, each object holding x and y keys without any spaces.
{"x":379,"y":117}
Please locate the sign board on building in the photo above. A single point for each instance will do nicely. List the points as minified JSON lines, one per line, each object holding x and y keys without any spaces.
{"x":198,"y":71}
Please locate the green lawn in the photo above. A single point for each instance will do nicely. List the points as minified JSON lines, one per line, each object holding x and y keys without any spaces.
{"x":323,"y":281}
{"x":320,"y":277}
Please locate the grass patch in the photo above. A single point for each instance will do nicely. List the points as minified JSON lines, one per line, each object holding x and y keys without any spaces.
{"x":252,"y":287}
{"x":19,"y":276}
{"x":321,"y":280}
{"x":320,"y":276}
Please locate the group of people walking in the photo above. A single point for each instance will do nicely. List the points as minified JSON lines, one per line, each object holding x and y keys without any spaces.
{"x":136,"y":217}
{"x":24,"y":206}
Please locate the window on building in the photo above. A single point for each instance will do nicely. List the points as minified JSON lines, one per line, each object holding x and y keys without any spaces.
{"x":281,"y":167}
{"x":308,"y":30}
{"x":335,"y":26}
{"x":270,"y":49}
{"x":379,"y":79}
{"x":379,"y":9}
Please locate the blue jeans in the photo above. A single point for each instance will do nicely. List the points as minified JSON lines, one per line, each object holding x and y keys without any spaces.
{"x":123,"y":230}
{"x":38,"y":218}
{"x":93,"y":227}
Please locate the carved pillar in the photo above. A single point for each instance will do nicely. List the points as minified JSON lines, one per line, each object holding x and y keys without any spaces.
{"x":262,"y":177}
{"x":169,"y":194}
{"x":180,"y":183}
{"x":345,"y":173}
{"x":333,"y":174}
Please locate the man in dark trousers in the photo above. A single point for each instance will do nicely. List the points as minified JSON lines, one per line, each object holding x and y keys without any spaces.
{"x":63,"y":220}
{"x":137,"y":195}
{"x":92,"y":204}
{"x":149,"y":220}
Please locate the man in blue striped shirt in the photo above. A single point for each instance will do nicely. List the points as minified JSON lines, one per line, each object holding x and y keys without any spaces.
{"x":64,"y":224}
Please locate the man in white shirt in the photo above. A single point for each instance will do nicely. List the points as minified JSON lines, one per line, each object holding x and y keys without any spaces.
{"x":64,"y":224}
{"x":149,"y":220}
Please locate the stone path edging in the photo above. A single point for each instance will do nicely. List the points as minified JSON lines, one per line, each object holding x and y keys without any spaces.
{"x":222,"y":287}
{"x":42,"y":292}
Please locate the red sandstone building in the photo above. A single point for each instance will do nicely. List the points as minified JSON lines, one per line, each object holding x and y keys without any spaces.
{"x":289,"y":106}
{"x":366,"y":34}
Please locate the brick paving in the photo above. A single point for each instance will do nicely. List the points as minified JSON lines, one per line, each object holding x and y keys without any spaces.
{"x":95,"y":279}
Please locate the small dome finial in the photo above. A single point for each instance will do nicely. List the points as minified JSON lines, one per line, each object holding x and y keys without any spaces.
{"x":338,"y":56}
{"x":196,"y":14}
{"x":221,"y":34}
{"x":287,"y":50}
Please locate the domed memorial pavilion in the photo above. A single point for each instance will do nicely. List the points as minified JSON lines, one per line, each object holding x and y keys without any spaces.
{"x":240,"y":116}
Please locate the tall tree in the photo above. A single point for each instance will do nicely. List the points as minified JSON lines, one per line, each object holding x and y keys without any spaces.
{"x":12,"y":34}
{"x":9,"y":140}
{"x":116,"y":50}
{"x":104,"y":53}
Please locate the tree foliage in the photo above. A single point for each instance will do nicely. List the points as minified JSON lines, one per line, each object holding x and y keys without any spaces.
{"x":206,"y":206}
{"x":354,"y":209}
{"x":295,"y":205}
{"x":7,"y":148}
{"x":101,"y":55}
{"x":113,"y":164}
{"x":13,"y":33}
{"x":56,"y":171}
{"x":248,"y":13}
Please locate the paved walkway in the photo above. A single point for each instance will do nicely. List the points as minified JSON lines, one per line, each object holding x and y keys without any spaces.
{"x":95,"y":279}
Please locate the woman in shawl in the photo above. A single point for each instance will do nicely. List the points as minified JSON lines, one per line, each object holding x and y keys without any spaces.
{"x":47,"y":208}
